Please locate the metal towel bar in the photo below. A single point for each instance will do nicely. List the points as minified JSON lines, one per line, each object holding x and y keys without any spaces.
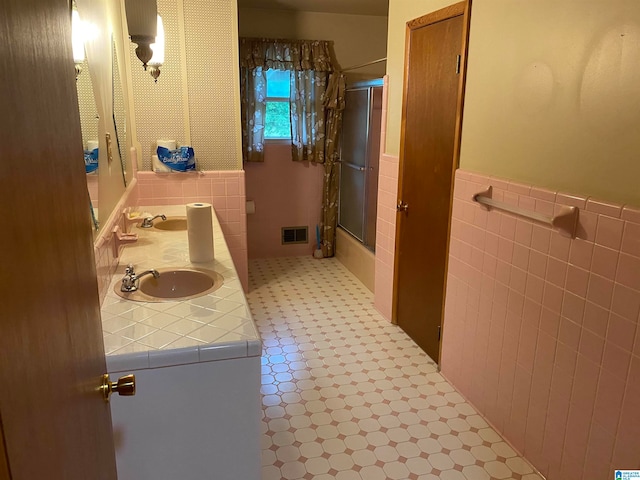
{"x":565,"y":220}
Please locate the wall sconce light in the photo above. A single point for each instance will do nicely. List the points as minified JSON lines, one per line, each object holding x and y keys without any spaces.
{"x":77,"y":40}
{"x":142,"y":25}
{"x":158,"y":52}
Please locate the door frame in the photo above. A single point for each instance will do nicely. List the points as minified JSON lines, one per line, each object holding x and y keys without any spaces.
{"x":461,"y":8}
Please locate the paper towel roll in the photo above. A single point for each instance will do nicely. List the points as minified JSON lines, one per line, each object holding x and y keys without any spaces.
{"x":251,"y":207}
{"x":157,"y":165}
{"x":200,"y":232}
{"x":170,"y":144}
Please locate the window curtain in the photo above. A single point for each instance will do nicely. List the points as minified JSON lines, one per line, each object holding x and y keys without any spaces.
{"x":334,"y":106}
{"x":253,"y":86}
{"x":308,"y":110}
{"x":310,"y":63}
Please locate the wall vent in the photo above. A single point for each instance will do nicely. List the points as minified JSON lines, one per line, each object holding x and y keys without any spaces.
{"x":292,"y":235}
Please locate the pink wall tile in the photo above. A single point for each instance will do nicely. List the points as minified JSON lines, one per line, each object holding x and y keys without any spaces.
{"x":609,"y":232}
{"x":552,"y":297}
{"x":543,"y":194}
{"x":581,"y":253}
{"x":600,"y":290}
{"x":596,"y":318}
{"x":550,"y":322}
{"x":604,"y":261}
{"x":631,"y":214}
{"x":572,"y":200}
{"x":386,"y":210}
{"x":286,"y":194}
{"x":587,"y":223}
{"x":616,"y":360}
{"x":573,"y":329}
{"x":559,"y":246}
{"x":628,"y":273}
{"x":626,"y":302}
{"x":604,"y":208}
{"x":591,"y":346}
{"x":577,"y":281}
{"x":621,"y":332}
{"x":556,"y":272}
{"x":631,"y":239}
{"x":569,"y":333}
{"x":540,"y":239}
{"x":573,"y":307}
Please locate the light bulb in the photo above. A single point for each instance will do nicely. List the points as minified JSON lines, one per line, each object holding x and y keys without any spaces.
{"x":77,"y":35}
{"x":158,"y":47}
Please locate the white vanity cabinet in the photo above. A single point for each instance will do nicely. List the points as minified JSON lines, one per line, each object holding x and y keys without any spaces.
{"x":190,"y":422}
{"x":196,"y":412}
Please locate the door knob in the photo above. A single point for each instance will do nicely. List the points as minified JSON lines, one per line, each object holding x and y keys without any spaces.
{"x":124,"y":386}
{"x":402,"y":207}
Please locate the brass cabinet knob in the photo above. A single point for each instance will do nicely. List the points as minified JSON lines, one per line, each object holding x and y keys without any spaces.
{"x":124,"y":386}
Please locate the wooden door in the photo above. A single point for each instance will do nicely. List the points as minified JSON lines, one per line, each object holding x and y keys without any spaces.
{"x":428,"y":158}
{"x":54,"y":423}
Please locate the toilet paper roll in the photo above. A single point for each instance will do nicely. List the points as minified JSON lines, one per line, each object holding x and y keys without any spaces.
{"x":92,"y":145}
{"x":157,"y":165}
{"x":200,"y":232}
{"x":251,"y":207}
{"x":170,"y":144}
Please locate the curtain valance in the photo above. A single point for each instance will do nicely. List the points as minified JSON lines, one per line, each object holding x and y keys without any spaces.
{"x":278,"y":54}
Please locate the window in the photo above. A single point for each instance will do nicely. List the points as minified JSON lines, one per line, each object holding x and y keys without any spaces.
{"x":277,"y":124}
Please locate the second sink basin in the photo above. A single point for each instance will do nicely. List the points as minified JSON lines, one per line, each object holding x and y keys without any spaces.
{"x":174,"y":284}
{"x":171,"y":223}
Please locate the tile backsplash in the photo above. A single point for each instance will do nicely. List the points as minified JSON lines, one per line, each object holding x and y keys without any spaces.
{"x":541,"y":331}
{"x":224,"y":189}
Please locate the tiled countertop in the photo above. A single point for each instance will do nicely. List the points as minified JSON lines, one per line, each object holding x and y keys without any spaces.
{"x":217,"y":326}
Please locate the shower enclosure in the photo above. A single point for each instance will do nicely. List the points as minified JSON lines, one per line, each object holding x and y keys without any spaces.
{"x":360,"y":151}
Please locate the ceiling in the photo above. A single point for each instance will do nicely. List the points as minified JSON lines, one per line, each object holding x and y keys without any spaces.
{"x":352,"y":7}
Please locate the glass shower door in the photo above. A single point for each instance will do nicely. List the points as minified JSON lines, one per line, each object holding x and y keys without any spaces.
{"x":355,"y":128}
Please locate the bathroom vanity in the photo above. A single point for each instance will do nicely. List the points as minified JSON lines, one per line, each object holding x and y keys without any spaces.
{"x":196,"y":411}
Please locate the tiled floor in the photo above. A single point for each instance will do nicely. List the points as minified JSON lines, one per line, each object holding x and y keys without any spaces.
{"x":348,"y":396}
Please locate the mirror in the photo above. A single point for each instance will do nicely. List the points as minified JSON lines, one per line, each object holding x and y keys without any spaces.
{"x":106,"y":179}
{"x":101,"y":87}
{"x":89,"y":125}
{"x":119,"y":114}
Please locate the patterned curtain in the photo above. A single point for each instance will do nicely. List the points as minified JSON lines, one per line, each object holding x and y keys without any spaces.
{"x":308,"y":115}
{"x":253,"y":84}
{"x":310,"y":63}
{"x":334,"y":105}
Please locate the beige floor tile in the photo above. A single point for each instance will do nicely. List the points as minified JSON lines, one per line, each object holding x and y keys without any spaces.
{"x":346,"y":395}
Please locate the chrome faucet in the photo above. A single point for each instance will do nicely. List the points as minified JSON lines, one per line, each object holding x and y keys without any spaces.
{"x":131,"y":279}
{"x":148,"y":222}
